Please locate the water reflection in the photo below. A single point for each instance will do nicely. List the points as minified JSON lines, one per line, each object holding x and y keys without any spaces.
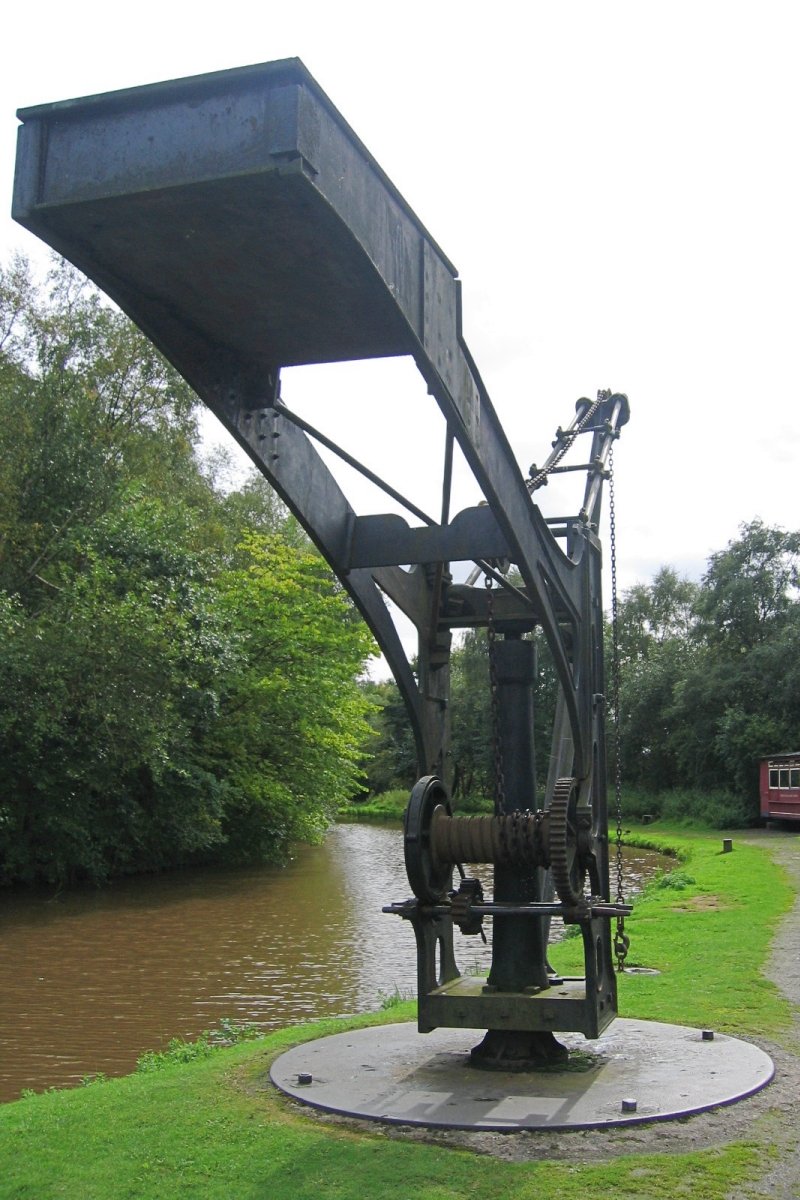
{"x":90,"y":979}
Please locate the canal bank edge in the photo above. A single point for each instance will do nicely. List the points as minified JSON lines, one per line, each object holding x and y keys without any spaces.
{"x":57,"y":1135}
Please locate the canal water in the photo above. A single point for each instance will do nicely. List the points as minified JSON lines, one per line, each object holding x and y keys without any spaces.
{"x":92,"y":978}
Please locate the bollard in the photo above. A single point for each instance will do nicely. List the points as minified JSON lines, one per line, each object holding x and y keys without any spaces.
{"x":727,"y":845}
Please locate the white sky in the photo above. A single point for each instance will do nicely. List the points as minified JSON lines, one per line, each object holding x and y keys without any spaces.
{"x":616,"y":182}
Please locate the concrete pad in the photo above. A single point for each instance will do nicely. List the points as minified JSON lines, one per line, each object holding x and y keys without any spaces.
{"x":637,"y":1071}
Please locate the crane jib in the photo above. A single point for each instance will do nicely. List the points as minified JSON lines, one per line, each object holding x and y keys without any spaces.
{"x":242,"y":224}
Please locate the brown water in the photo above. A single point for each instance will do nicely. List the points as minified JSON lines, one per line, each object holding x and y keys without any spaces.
{"x":90,"y":979}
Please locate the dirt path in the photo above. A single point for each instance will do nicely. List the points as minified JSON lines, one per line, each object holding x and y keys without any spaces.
{"x":769,"y":1117}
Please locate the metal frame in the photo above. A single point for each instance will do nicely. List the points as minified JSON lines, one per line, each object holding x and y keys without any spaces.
{"x":242,"y":224}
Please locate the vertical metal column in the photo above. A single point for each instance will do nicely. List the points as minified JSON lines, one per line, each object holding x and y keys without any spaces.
{"x":519,"y":944}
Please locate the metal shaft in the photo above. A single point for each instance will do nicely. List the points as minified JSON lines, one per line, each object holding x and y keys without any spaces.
{"x":518,"y":946}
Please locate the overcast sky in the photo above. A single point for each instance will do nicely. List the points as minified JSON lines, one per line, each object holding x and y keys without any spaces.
{"x":617,"y":184}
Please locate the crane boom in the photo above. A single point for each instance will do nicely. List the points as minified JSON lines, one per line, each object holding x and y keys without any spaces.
{"x":242,"y":224}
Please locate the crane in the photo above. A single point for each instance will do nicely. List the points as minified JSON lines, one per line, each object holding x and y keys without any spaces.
{"x":242,"y":224}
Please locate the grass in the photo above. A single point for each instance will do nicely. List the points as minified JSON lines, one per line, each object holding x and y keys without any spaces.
{"x":391,"y":806}
{"x":207,"y":1127}
{"x":388,"y":806}
{"x":206,"y":1130}
{"x":709,"y":938}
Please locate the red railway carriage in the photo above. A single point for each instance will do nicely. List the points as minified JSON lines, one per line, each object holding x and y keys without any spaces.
{"x":780,"y":787}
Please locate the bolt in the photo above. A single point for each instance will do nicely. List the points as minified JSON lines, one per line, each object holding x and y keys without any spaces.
{"x":708,"y":1035}
{"x":304,"y":1078}
{"x":629,"y":1106}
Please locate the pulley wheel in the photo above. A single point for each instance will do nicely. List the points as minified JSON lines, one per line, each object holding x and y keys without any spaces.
{"x":430,"y":879}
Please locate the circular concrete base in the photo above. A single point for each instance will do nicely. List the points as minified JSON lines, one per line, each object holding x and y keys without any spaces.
{"x":637,"y":1071}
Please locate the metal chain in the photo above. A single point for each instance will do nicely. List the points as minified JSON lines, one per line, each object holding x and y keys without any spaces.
{"x":536,"y":481}
{"x":621,"y":940}
{"x":497,"y":744}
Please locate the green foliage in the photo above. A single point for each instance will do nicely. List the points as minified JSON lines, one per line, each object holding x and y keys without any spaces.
{"x":390,"y":758}
{"x":177,"y":1051}
{"x":386,"y":806}
{"x":692,"y":807}
{"x":177,"y":668}
{"x":710,"y":919}
{"x":750,"y":587}
{"x":293,"y":718}
{"x":472,"y":730}
{"x":470,"y":708}
{"x":389,"y":1000}
{"x":672,"y":881}
{"x":391,"y":806}
{"x":711,"y":678}
{"x":654,"y":615}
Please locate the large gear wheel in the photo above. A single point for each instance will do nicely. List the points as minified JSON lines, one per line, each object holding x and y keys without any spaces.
{"x":565,"y":861}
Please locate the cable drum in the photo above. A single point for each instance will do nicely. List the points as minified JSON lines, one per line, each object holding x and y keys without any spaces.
{"x":518,"y":838}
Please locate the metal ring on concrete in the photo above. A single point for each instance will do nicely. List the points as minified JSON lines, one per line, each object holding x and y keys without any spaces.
{"x":637,"y":1071}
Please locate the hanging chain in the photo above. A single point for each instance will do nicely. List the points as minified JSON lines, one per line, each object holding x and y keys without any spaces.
{"x":621,"y":940}
{"x":536,"y":480}
{"x":497,"y":742}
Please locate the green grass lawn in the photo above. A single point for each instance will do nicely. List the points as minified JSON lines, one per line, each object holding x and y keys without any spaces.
{"x":706,"y":927}
{"x":211,"y":1128}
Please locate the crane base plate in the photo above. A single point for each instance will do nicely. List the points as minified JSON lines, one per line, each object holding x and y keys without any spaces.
{"x":637,"y":1071}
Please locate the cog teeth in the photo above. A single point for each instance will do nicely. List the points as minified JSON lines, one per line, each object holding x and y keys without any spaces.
{"x":559,"y":854}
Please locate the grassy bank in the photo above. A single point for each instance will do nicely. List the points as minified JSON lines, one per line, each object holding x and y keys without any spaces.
{"x":690,"y":809}
{"x":391,"y":806}
{"x":211,"y":1129}
{"x":706,"y":926}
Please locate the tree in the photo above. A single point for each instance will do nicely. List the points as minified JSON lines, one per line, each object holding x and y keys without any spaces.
{"x":390,"y":757}
{"x":169,"y":690}
{"x":107,"y":689}
{"x":473,"y":722}
{"x":293,"y":720}
{"x":656,"y":624}
{"x":86,"y":405}
{"x":710,"y":679}
{"x":653,"y":615}
{"x":750,"y":587}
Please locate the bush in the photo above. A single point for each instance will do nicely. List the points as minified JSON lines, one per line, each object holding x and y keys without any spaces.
{"x":229,"y":1033}
{"x":689,"y":806}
